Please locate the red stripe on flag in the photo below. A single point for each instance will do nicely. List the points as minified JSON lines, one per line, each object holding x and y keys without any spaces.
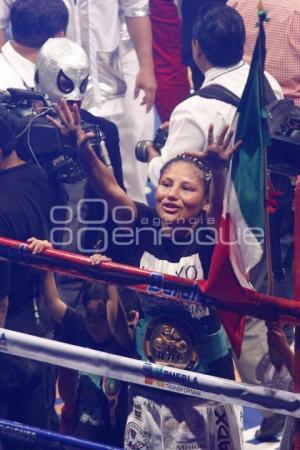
{"x":223,"y":285}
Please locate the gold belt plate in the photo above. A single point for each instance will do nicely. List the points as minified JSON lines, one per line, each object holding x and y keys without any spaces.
{"x":172,"y":342}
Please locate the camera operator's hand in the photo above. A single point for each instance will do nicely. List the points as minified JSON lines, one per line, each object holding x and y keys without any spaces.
{"x":165,"y":126}
{"x":151,"y":151}
{"x":69,"y":116}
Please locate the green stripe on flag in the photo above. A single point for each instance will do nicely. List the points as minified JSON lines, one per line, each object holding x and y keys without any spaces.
{"x":248,"y":172}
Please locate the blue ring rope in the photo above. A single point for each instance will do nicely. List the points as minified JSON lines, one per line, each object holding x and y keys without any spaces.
{"x":28,"y":434}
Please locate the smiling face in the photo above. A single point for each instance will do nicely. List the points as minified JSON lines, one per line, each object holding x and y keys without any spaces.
{"x":180,"y":194}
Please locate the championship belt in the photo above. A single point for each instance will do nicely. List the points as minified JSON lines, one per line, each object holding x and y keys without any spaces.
{"x":172,"y":342}
{"x":111,"y":388}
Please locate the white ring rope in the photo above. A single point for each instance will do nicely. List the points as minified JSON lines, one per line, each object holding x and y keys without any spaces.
{"x":131,"y":370}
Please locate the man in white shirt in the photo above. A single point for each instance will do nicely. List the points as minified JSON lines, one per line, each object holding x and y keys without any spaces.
{"x":33,"y":22}
{"x":96,"y":26}
{"x":218,"y":43}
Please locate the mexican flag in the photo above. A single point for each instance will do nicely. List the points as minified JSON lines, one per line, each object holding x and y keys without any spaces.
{"x":241,"y":234}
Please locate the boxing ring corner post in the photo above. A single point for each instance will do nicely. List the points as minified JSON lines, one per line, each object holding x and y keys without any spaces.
{"x":297,"y":298}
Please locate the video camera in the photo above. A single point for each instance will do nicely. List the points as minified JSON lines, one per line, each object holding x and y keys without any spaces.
{"x":284,"y":127}
{"x":40,"y":140}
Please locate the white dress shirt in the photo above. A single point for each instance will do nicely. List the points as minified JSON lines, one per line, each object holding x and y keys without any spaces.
{"x":15,"y":70}
{"x":5,"y":6}
{"x":190,"y":120}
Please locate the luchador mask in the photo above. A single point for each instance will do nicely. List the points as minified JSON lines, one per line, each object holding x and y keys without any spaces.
{"x":62,"y":70}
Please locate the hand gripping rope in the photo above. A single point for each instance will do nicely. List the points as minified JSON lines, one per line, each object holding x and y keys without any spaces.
{"x":156,"y":284}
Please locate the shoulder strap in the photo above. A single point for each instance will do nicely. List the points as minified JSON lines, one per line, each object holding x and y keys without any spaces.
{"x":218,"y":92}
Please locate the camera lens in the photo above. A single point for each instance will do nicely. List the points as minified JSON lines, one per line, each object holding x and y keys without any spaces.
{"x":141,"y":151}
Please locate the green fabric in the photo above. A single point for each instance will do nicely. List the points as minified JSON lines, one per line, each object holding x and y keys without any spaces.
{"x":96,"y":379}
{"x":248,"y":162}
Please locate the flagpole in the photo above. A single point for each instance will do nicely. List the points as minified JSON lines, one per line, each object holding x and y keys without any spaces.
{"x":275,"y":357}
{"x":297,"y":298}
{"x":262,"y":16}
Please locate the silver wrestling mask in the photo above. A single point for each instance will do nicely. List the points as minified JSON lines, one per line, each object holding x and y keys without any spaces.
{"x":62,"y":70}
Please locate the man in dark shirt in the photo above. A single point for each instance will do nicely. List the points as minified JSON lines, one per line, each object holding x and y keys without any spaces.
{"x":27,"y":197}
